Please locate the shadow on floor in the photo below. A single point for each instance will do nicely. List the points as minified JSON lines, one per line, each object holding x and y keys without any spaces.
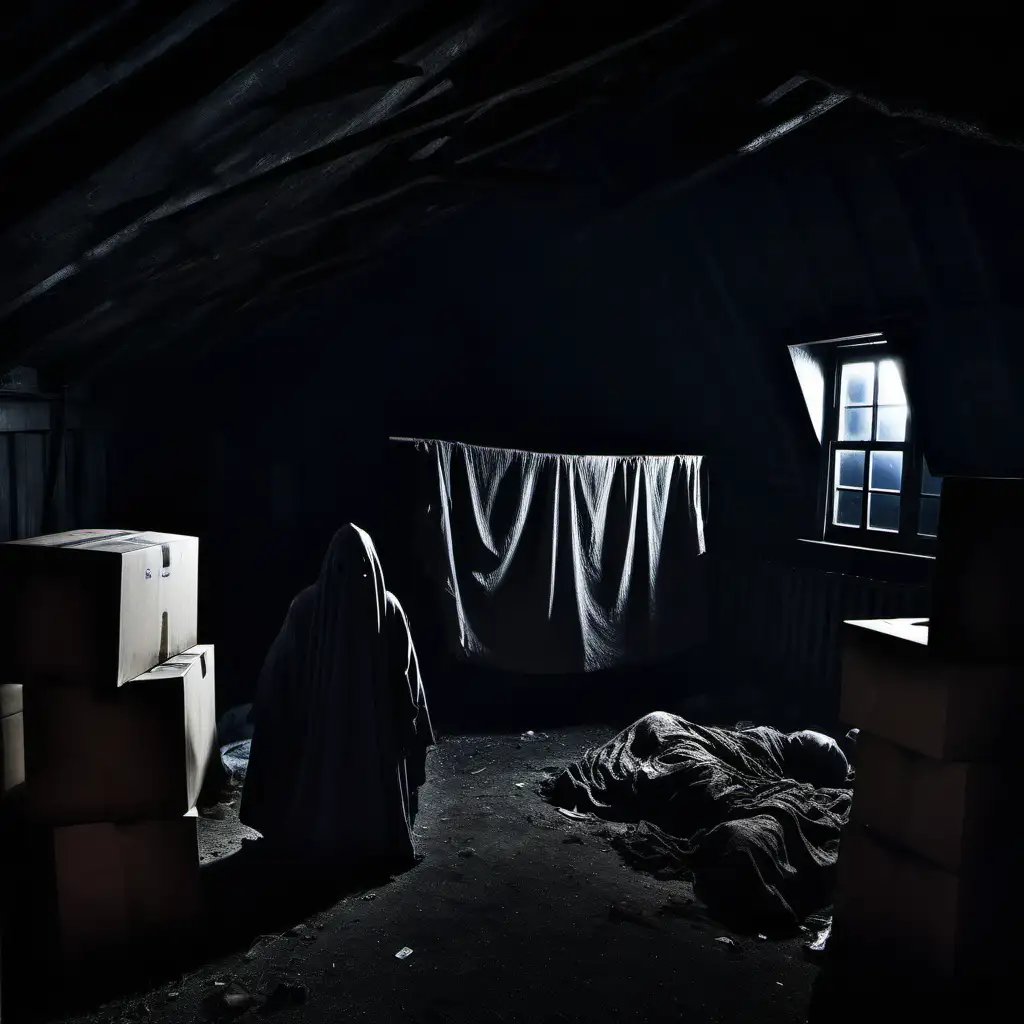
{"x":252,"y":893}
{"x":246,"y":895}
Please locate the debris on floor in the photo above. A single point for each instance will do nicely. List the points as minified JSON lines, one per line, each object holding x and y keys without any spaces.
{"x":819,"y":944}
{"x":230,"y":999}
{"x":403,"y":953}
{"x":725,"y":940}
{"x":575,"y":815}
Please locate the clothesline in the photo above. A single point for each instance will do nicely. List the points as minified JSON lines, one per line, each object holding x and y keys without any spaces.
{"x":545,"y":455}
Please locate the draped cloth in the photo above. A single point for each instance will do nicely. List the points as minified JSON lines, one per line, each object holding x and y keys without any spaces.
{"x":564,"y":563}
{"x":341,"y":725}
{"x":756,"y":815}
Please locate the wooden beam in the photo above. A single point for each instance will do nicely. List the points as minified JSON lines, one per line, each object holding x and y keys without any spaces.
{"x":427,"y":117}
{"x":948,"y":74}
{"x":982,"y":129}
{"x":416,"y":121}
{"x":30,"y":44}
{"x":340,"y":78}
{"x":463,"y":171}
{"x":48,"y":162}
{"x":69,"y":51}
{"x":703,"y":59}
{"x":708,"y":149}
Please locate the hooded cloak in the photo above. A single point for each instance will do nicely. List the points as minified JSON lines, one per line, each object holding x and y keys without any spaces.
{"x":341,"y":725}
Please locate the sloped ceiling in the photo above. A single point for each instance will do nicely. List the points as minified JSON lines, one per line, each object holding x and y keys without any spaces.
{"x":171,"y":165}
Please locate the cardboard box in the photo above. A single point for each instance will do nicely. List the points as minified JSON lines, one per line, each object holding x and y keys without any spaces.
{"x":976,"y":590}
{"x":12,"y":737}
{"x":897,"y":908}
{"x":98,"y":607}
{"x":117,"y":888}
{"x":12,"y":751}
{"x":896,"y":687}
{"x":138,"y":752}
{"x":946,"y":811}
{"x":12,"y":699}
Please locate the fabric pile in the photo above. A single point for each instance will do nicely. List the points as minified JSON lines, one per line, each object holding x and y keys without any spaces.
{"x":341,"y":726}
{"x":564,"y":563}
{"x":235,"y":759}
{"x":755,"y":815}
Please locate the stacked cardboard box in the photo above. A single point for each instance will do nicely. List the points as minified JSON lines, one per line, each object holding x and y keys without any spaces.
{"x":923,"y":874}
{"x":12,"y":737}
{"x":119,"y":729}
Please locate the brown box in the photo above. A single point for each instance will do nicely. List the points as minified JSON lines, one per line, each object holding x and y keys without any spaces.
{"x":119,"y":887}
{"x":138,"y":752}
{"x":977,"y":604}
{"x":896,"y":687}
{"x":97,"y":607}
{"x":945,"y":811}
{"x":897,"y":908}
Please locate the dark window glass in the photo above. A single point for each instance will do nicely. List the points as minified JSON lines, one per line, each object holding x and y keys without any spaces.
{"x":848,"y":508}
{"x":884,"y":512}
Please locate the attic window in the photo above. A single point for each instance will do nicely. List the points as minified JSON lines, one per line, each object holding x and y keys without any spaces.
{"x":876,"y":488}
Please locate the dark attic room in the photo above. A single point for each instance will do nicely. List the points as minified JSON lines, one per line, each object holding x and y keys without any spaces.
{"x":509,"y":511}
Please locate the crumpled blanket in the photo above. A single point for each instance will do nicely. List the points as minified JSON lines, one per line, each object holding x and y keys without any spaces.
{"x":755,"y":815}
{"x":235,"y":758}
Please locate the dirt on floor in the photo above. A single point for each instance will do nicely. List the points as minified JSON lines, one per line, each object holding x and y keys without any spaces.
{"x":516,"y":913}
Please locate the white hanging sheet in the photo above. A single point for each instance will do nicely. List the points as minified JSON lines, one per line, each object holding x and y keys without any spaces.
{"x":565,"y":563}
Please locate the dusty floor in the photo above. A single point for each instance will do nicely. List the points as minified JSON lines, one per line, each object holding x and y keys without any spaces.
{"x":509,"y":918}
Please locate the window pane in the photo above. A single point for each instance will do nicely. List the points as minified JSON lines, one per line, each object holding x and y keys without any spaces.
{"x":929,"y":524}
{"x":858,"y":384}
{"x":856,"y":425}
{"x":892,"y":423}
{"x":886,"y":470}
{"x":884,"y":512}
{"x":847,"y":508}
{"x":850,"y":469}
{"x":929,"y":484}
{"x":890,"y":384}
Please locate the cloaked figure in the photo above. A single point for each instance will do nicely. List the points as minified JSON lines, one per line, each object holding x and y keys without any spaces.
{"x":341,"y":726}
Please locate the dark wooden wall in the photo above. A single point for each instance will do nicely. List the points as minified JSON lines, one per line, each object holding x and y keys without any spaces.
{"x":26,"y":447}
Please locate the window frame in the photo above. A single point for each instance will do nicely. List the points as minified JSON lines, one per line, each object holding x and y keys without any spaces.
{"x":906,"y":539}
